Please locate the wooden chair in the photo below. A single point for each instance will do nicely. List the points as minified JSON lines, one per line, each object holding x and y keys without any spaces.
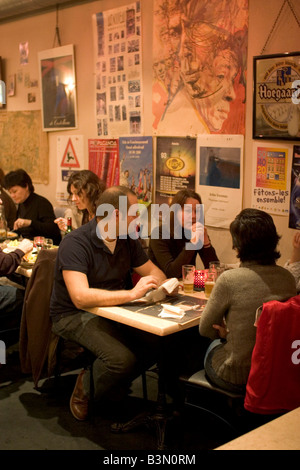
{"x":35,"y":330}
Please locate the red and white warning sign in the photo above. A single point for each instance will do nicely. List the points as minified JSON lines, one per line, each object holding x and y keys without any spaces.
{"x":70,"y":159}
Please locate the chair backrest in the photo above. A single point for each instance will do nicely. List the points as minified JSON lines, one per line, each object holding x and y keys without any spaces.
{"x":35,"y":328}
{"x":274,"y":381}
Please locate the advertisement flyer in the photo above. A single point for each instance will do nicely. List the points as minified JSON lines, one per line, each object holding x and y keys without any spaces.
{"x":220,"y":177}
{"x":175,"y":166}
{"x":270,"y":190}
{"x":294,"y":219}
{"x":136,"y":166}
{"x":104,"y":160}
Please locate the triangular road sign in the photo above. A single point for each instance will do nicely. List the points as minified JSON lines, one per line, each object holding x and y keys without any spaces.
{"x":70,"y":158}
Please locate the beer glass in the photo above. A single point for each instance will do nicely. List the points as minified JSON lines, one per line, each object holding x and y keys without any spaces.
{"x":188,"y":271}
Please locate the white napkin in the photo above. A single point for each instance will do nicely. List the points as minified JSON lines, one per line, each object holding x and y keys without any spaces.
{"x":171,"y":311}
{"x":156,"y":295}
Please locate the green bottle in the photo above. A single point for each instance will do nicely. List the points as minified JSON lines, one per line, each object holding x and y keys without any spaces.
{"x":69,"y":225}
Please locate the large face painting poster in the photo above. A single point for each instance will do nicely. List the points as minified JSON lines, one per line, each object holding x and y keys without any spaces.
{"x":199,"y":66}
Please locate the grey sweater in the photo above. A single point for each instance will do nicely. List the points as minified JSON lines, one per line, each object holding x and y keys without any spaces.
{"x":236,"y":296}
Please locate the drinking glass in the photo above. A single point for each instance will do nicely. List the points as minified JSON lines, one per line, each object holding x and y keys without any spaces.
{"x":188,"y":272}
{"x":39,"y":243}
{"x":216,"y":267}
{"x":209,"y":283}
{"x":48,"y":243}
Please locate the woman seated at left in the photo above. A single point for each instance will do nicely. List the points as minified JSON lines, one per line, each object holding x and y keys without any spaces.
{"x":35,"y":214}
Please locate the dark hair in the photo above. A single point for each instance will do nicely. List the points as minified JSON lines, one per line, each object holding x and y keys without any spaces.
{"x":254,"y":236}
{"x":112,"y":196}
{"x":184,"y":194}
{"x":90,"y":183}
{"x":180,"y":199}
{"x":18,"y":178}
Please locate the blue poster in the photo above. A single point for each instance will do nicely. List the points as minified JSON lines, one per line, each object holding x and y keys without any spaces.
{"x":136,"y":166}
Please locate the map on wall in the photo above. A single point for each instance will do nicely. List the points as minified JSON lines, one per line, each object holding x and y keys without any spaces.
{"x":24,"y":144}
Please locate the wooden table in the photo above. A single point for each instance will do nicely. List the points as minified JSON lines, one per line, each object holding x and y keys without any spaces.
{"x":161,"y":327}
{"x":279,"y":434}
{"x":156,"y":325}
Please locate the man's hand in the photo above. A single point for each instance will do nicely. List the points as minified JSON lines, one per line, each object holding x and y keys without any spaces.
{"x":143,"y":285}
{"x":21,"y":223}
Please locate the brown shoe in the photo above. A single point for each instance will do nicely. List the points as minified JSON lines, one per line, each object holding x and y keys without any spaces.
{"x":79,"y":402}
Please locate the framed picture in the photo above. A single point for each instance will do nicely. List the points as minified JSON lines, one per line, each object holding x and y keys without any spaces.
{"x":276,"y":97}
{"x":58,"y":88}
{"x":2,"y":87}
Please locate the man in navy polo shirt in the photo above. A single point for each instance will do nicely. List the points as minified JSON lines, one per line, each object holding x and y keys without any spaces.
{"x":93,"y":270}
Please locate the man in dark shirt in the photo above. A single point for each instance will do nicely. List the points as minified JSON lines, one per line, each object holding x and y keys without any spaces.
{"x":35,"y":214}
{"x":92,"y":270}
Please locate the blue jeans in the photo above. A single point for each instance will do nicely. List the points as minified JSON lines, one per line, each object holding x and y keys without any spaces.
{"x":121,"y":352}
{"x":211,"y":373}
{"x":11,"y":304}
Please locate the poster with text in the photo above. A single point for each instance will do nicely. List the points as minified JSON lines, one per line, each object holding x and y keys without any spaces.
{"x":70,"y":158}
{"x":175,"y":166}
{"x":220,"y":177}
{"x":270,"y":191}
{"x":104,"y":160}
{"x":294,"y":219}
{"x":136,"y":166}
{"x":118,"y":71}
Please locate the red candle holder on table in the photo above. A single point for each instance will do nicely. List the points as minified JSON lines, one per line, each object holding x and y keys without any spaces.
{"x":199,"y":279}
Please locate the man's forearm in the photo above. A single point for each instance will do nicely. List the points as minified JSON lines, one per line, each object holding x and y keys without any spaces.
{"x":102,"y":298}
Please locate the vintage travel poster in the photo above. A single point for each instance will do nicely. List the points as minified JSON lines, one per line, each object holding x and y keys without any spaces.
{"x":118,"y":71}
{"x":199,"y":66}
{"x":175,"y":166}
{"x":104,"y":160}
{"x":219,"y":173}
{"x":270,"y":191}
{"x":136,"y":166}
{"x":294,"y":219}
{"x":58,"y":88}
